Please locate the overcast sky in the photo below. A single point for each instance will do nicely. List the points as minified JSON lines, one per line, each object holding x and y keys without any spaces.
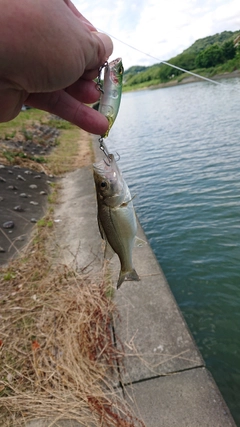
{"x":161,"y":28}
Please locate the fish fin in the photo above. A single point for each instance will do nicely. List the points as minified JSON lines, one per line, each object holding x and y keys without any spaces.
{"x":139,"y":242}
{"x":108,"y":252}
{"x":100,"y":228}
{"x":129,"y":275}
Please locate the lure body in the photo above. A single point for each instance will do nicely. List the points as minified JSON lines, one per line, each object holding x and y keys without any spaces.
{"x":112,"y":92}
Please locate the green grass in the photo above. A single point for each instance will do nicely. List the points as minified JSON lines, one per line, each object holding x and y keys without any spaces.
{"x":10,"y":135}
{"x":62,"y":158}
{"x":9,"y":275}
{"x":143,"y":85}
{"x":24,"y":118}
{"x":59,"y":124}
{"x":45,"y":223}
{"x":12,"y":155}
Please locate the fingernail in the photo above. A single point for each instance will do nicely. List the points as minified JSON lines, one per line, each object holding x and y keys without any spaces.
{"x":108,"y":44}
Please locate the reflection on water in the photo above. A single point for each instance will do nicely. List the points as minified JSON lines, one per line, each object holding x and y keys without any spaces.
{"x":180,"y":153}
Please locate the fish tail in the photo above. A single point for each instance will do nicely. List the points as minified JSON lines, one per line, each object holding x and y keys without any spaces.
{"x":129,"y":275}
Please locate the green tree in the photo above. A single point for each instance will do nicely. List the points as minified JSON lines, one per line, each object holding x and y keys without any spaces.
{"x":200,"y":61}
{"x":229,"y":50}
{"x":210,"y":57}
{"x":202,"y":44}
{"x":184,"y":60}
{"x":166,"y":72}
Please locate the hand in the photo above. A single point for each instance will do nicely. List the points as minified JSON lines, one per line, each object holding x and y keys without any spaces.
{"x":49,"y":56}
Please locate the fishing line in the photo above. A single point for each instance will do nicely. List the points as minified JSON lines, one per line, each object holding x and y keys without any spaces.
{"x":165,"y":62}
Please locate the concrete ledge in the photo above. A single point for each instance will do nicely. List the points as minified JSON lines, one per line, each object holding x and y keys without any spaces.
{"x":77,"y":235}
{"x":185,"y":399}
{"x":151,"y":328}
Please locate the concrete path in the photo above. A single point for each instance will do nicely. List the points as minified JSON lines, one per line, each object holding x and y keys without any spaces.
{"x":164,"y":377}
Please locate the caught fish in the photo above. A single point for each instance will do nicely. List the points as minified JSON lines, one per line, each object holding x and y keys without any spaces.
{"x":116,"y":215}
{"x":112,"y":91}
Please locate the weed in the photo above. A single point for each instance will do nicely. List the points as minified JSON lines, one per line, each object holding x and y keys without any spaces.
{"x":10,"y":135}
{"x":42,"y":222}
{"x":13,"y":157}
{"x":9,"y":275}
{"x":52,"y":198}
{"x":52,"y":184}
{"x":40,"y":159}
{"x":36,"y":240}
{"x":57,"y":142}
{"x":59,"y":124}
{"x":9,"y":156}
{"x":110,"y":292}
{"x":27,"y":134}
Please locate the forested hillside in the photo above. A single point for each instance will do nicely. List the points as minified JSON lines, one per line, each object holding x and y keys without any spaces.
{"x":208,"y":56}
{"x":218,"y":38}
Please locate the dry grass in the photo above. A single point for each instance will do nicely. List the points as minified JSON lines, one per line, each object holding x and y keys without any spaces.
{"x":58,"y":359}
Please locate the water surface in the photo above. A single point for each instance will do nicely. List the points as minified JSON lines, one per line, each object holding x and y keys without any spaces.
{"x":180,"y":153}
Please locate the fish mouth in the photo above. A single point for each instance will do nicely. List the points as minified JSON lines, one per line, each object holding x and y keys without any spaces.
{"x":101,"y":168}
{"x":98,"y":167}
{"x":105,"y":167}
{"x":103,"y":173}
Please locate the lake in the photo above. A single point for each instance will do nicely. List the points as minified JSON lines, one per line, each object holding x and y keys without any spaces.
{"x":179,"y":152}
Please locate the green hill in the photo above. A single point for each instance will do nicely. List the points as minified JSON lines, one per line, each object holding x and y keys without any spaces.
{"x":208,"y":56}
{"x":218,"y":38}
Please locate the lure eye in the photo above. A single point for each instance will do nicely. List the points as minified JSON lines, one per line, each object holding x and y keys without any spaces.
{"x":103,"y":184}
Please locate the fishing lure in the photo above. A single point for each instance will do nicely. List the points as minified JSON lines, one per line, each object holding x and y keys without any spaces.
{"x":111,"y":91}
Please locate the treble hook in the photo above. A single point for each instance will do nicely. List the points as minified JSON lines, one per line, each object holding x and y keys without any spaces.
{"x":99,"y":83}
{"x":102,"y":147}
{"x":119,"y":157}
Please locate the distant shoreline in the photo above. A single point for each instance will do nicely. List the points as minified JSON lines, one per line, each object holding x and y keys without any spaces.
{"x":190,"y":79}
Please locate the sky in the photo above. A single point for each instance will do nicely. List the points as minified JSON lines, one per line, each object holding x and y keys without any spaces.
{"x":159,"y":28}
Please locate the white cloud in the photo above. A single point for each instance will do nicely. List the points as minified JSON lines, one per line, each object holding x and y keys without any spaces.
{"x":159,"y":28}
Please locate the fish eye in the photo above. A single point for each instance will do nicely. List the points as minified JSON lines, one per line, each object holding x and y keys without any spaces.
{"x":103,"y":184}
